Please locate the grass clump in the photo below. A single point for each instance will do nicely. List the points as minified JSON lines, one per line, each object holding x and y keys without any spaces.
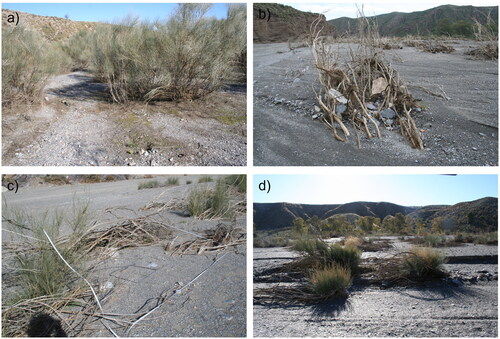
{"x":148,"y":184}
{"x":331,"y":281}
{"x":27,"y":62}
{"x":206,"y":203}
{"x":239,"y":181}
{"x":174,"y":181}
{"x":326,"y":254}
{"x":205,"y":178}
{"x":422,"y":263}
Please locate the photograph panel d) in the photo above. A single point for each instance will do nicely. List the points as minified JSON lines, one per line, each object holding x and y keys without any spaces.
{"x":124,"y":255}
{"x":375,"y":256}
{"x":124,"y":84}
{"x":386,"y":84}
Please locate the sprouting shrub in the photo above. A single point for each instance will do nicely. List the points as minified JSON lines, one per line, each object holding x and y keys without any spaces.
{"x":434,"y":240}
{"x":174,"y":181}
{"x":210,"y":203}
{"x":186,"y":57}
{"x":27,"y":61}
{"x":422,"y":263}
{"x":148,"y":184}
{"x":331,"y":281}
{"x":205,"y":178}
{"x":239,"y":181}
{"x":79,"y":49}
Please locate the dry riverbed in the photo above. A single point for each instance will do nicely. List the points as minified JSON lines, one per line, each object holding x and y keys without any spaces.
{"x":461,"y":131}
{"x":191,"y":291}
{"x":464,"y":305}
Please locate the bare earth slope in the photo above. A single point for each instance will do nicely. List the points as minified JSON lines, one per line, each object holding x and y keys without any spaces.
{"x":460,"y":132}
{"x":76,"y":126}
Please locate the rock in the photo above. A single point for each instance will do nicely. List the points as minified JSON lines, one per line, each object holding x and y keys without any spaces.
{"x":337,"y":96}
{"x":389,"y":121}
{"x":379,"y":85}
{"x":296,"y":80}
{"x":388,"y":113}
{"x":371,"y":107}
{"x":316,"y":116}
{"x":152,"y":265}
{"x":107,"y":285}
{"x":428,"y":125}
{"x":340,"y":109}
{"x":482,"y":134}
{"x":317,"y":109}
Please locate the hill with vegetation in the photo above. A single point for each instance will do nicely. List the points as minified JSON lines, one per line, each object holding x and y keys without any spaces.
{"x":285,"y":23}
{"x":50,"y":27}
{"x":477,"y":215}
{"x":443,"y":20}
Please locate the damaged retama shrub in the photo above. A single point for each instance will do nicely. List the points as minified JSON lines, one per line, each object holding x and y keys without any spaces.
{"x":362,"y":90}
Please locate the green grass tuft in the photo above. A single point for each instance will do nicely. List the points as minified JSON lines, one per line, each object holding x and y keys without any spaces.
{"x":422,"y":263}
{"x":148,"y":184}
{"x":331,"y":281}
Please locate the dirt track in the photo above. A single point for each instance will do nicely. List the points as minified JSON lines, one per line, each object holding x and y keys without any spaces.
{"x":213,"y":305}
{"x":462,"y":131}
{"x":77,"y":126}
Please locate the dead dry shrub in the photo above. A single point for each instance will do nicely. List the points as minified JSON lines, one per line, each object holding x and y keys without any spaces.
{"x":218,"y":238}
{"x":487,"y":34}
{"x":346,"y":88}
{"x":435,"y":46}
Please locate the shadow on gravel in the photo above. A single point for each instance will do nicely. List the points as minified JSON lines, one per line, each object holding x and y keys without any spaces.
{"x":85,"y":88}
{"x":442,"y":293}
{"x":331,"y":308}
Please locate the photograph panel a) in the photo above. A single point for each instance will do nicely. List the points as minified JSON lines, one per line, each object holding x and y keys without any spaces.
{"x":124,"y":255}
{"x":124,"y":84}
{"x":375,"y":256}
{"x":385,"y":84}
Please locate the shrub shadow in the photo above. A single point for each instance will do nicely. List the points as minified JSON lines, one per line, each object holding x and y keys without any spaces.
{"x":85,"y":88}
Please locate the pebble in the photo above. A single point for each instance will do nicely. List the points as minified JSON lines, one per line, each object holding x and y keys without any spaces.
{"x":317,"y":109}
{"x":388,"y":113}
{"x":340,"y":109}
{"x":296,"y":80}
{"x":482,"y":134}
{"x":371,"y":107}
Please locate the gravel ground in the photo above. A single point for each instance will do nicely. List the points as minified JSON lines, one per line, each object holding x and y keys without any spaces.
{"x":77,"y":126}
{"x":462,"y":131}
{"x":213,"y":305}
{"x":442,"y":310}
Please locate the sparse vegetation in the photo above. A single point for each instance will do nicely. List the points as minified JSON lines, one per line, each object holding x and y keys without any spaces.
{"x":148,"y":184}
{"x":172,"y":181}
{"x":205,"y":178}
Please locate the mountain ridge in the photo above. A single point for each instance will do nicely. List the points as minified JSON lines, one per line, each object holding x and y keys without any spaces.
{"x":279,"y":215}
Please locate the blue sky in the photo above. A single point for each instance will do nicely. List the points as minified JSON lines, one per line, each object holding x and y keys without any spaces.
{"x":106,"y":11}
{"x":339,"y":8}
{"x":409,"y":190}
